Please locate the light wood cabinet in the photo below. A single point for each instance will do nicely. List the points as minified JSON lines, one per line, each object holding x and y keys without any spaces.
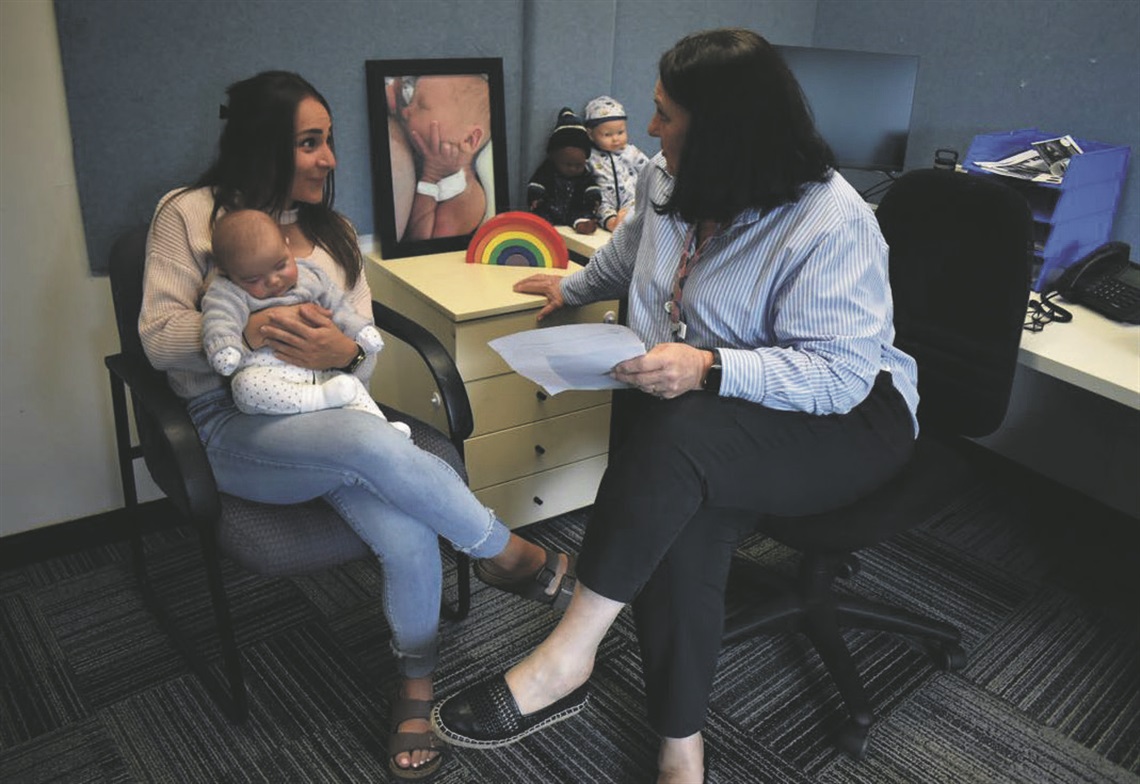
{"x":531,"y":456}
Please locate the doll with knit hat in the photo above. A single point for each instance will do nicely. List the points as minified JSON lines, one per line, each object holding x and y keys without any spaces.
{"x":562,"y":190}
{"x":615,"y":161}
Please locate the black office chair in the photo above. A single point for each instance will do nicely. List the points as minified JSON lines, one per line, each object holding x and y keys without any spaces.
{"x":265,"y":539}
{"x":960,"y":255}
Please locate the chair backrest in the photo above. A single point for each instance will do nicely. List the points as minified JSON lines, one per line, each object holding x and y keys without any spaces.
{"x":127,"y":260}
{"x":961,"y":248}
{"x":128,"y":256}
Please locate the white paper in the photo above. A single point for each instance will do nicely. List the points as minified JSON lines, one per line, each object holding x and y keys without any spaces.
{"x":575,"y":356}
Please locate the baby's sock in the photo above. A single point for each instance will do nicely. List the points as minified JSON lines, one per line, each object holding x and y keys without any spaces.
{"x":333,"y":393}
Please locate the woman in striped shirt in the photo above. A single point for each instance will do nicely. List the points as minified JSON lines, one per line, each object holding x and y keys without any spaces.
{"x":758,"y":278}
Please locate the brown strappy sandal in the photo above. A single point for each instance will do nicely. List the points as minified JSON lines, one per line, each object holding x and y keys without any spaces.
{"x":534,"y":586}
{"x":404,"y":709}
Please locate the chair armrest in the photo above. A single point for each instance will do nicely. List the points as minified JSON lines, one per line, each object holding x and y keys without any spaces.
{"x":456,"y":404}
{"x":191,"y":485}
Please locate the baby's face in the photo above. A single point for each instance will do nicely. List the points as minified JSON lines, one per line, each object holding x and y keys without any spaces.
{"x":569,"y":162}
{"x":610,"y":136}
{"x":438,"y":99}
{"x":269,"y":271}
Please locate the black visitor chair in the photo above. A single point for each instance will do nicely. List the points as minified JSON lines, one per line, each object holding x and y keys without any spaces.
{"x":265,"y":539}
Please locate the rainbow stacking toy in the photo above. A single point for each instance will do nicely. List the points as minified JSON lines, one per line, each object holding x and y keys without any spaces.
{"x":518,"y":239}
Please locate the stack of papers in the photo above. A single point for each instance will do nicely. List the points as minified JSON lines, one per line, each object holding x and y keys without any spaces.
{"x":1045,"y":161}
{"x":575,"y":356}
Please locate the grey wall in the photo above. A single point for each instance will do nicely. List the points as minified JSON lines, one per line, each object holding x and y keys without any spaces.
{"x":1064,"y":66}
{"x":144,"y":79}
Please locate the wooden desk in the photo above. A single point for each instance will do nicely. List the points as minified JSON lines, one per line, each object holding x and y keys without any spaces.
{"x":531,"y":456}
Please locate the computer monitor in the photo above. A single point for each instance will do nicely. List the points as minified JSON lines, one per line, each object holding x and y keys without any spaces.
{"x":861,"y":102}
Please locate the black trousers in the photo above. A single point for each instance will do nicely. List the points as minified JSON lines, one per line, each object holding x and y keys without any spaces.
{"x":687,"y":479}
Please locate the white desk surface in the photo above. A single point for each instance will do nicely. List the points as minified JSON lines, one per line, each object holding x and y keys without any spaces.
{"x":1091,"y":352}
{"x":584,"y":244}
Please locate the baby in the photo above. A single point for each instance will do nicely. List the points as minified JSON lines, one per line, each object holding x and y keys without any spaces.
{"x":256,"y":270}
{"x":562,"y":190}
{"x":444,"y":124}
{"x":615,"y":161}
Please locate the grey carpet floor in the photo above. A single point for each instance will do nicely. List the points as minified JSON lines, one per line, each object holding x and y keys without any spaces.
{"x":1042,"y":585}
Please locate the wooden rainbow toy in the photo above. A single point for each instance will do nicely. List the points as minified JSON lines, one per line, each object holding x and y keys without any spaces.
{"x":518,"y":239}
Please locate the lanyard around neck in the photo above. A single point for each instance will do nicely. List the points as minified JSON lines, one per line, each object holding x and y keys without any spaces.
{"x":689,"y":258}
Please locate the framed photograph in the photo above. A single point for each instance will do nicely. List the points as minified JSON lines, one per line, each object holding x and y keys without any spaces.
{"x":438,"y":139}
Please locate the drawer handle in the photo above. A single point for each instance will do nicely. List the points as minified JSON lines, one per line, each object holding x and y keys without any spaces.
{"x":539,"y":450}
{"x":609,"y":317}
{"x":540,"y":395}
{"x":538,"y":500}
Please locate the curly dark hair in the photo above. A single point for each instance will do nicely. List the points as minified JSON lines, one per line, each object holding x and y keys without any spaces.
{"x":256,"y":162}
{"x":751,"y":140}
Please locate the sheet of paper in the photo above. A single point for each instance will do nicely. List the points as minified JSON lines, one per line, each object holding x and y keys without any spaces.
{"x":574,"y":356}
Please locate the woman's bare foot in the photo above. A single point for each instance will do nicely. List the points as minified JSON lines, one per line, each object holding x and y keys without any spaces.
{"x":564,"y":660}
{"x":681,"y":760}
{"x":416,"y":689}
{"x":520,"y":559}
{"x":541,"y":679}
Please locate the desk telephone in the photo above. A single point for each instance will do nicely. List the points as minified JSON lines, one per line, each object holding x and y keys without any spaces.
{"x":1105,"y":281}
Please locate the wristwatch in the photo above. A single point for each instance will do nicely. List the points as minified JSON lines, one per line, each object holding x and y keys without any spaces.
{"x":354,"y":363}
{"x":711,"y":382}
{"x":448,"y":188}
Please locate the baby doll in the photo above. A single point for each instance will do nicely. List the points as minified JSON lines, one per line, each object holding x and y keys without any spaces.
{"x":615,"y":161}
{"x":255,"y":270}
{"x":562,"y":190}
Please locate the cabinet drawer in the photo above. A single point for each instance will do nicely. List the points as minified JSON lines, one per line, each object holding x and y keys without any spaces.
{"x":537,"y":446}
{"x":547,"y":494}
{"x":510,"y":400}
{"x":477,"y":360}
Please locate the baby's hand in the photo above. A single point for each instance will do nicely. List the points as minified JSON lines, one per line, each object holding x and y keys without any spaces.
{"x":585,"y":225}
{"x":441,"y":158}
{"x":226,"y":360}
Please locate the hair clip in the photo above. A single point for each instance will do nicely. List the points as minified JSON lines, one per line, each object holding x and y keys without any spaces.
{"x":223,"y":112}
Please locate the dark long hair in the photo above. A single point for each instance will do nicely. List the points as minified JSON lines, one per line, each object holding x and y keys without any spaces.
{"x":751,"y":140}
{"x":256,"y":162}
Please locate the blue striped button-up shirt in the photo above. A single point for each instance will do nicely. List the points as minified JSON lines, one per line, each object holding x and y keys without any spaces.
{"x":797,"y":299}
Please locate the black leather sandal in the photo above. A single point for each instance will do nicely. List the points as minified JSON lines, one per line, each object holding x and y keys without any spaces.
{"x":534,"y":587}
{"x":486,"y":716}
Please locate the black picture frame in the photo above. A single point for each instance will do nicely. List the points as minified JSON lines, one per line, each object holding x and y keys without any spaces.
{"x":397,"y":164}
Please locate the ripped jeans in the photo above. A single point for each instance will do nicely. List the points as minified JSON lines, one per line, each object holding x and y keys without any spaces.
{"x":396,"y":496}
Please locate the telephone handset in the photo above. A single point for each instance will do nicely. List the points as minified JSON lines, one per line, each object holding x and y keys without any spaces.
{"x":1104,"y":281}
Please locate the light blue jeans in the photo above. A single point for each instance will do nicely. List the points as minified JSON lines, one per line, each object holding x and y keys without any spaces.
{"x":396,"y":496}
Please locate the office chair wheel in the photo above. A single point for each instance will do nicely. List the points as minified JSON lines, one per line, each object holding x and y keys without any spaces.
{"x":949,"y":656}
{"x":852,"y":739}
